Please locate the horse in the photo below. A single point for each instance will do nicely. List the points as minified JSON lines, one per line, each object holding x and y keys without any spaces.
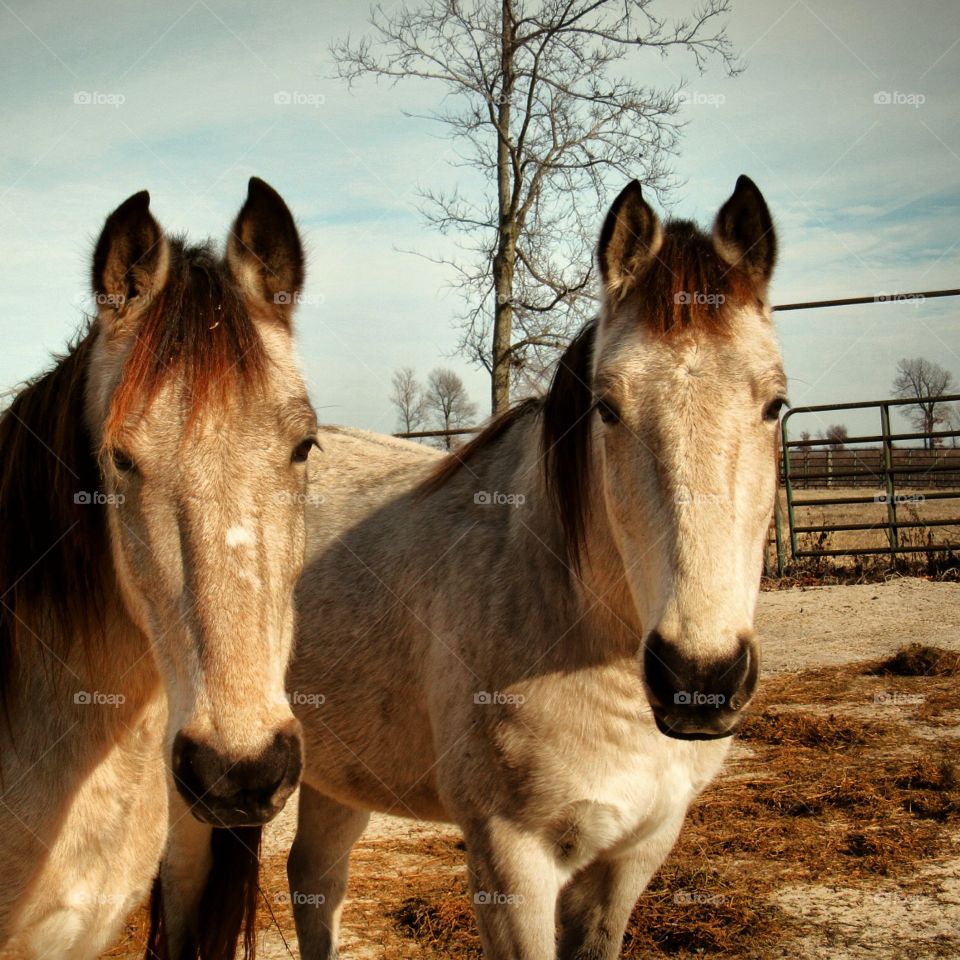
{"x":547,"y":636}
{"x":151,"y":506}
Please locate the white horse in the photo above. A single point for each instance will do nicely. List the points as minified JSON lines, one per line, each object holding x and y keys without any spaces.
{"x":547,"y":638}
{"x":151,"y":514}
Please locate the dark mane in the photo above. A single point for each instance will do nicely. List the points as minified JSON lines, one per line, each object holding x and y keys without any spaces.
{"x":53,"y":549}
{"x":197,"y":323}
{"x":227,"y":912}
{"x":566,"y":440}
{"x":689,"y":286}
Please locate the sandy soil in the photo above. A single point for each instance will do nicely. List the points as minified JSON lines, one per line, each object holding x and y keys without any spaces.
{"x":819,"y":626}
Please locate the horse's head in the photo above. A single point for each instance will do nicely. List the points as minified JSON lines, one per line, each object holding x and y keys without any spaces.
{"x":682,"y":389}
{"x":204,"y":428}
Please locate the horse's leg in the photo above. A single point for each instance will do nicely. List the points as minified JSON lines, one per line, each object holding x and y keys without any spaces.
{"x":183,"y":876}
{"x":317,"y":870}
{"x":514,"y":884}
{"x":596,"y":905}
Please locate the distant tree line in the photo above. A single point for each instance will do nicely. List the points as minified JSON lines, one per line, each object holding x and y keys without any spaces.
{"x":442,"y":404}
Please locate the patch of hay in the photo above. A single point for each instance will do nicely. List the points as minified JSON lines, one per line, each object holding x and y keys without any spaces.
{"x":806,"y":730}
{"x":919,"y":660}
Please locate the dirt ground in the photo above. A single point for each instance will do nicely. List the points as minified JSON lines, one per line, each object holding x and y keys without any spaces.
{"x":889,"y":918}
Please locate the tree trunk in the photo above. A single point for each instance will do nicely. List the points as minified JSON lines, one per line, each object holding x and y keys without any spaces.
{"x":504,"y":260}
{"x":502,"y":330}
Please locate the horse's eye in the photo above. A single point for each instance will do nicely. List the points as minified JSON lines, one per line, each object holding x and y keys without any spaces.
{"x":122,"y":462}
{"x":302,"y":450}
{"x":607,"y":412}
{"x":771,"y":412}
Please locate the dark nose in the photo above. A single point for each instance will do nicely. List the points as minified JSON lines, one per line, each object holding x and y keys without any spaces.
{"x":699,"y":699}
{"x":226,"y":792}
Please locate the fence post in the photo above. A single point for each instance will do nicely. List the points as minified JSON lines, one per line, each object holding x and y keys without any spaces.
{"x":778,"y":530}
{"x":788,"y":486}
{"x":890,"y":483}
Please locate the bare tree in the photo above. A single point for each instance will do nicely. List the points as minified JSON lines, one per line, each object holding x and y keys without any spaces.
{"x":448,"y":404}
{"x":406,"y":396}
{"x":924,"y":381}
{"x":835,"y":436}
{"x":537,"y":110}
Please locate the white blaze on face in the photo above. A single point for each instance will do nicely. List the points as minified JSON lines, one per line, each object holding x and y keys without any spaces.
{"x":240,"y":535}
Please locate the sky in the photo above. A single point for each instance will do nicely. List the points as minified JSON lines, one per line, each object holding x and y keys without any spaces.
{"x":845,"y":115}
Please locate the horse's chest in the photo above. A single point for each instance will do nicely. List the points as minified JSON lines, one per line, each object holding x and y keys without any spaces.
{"x":103,"y":857}
{"x":623,"y":806}
{"x":608,"y":795}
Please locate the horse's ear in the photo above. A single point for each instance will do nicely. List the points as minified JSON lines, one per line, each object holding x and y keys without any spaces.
{"x":130,"y":260}
{"x":264,"y":250}
{"x":743,"y":233}
{"x":631,"y":237}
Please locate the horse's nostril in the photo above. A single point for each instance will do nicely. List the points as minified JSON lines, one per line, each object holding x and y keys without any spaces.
{"x":663,"y":669}
{"x":228,"y":792}
{"x":186,"y":770}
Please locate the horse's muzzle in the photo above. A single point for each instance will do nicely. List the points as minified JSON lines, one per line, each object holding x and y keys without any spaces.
{"x":699,"y":700}
{"x":225,"y":792}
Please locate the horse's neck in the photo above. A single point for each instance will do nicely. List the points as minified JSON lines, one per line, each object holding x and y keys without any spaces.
{"x":596,"y":600}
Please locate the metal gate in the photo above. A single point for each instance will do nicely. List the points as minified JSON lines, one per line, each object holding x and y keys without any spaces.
{"x":894,"y":475}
